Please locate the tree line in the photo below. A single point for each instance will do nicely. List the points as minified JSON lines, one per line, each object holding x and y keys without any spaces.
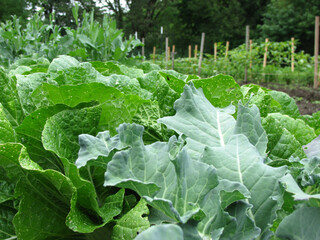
{"x":183,"y":21}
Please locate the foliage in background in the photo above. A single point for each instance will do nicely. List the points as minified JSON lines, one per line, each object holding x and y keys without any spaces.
{"x":278,"y":67}
{"x":291,"y":18}
{"x":90,"y":40}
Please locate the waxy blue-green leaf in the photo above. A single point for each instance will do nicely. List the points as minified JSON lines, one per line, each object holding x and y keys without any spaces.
{"x":220,"y":215}
{"x":303,"y":223}
{"x":132,"y":223}
{"x":93,"y":147}
{"x":239,"y":161}
{"x":175,"y":187}
{"x":161,"y":232}
{"x":203,"y":124}
{"x":292,"y":187}
{"x":312,"y":149}
{"x":249,"y":124}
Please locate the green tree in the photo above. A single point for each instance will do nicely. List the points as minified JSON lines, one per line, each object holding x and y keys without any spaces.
{"x":62,"y":9}
{"x":291,"y":18}
{"x":12,"y":7}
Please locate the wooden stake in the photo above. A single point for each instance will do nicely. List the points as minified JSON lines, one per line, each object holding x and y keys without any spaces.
{"x":195,"y":51}
{"x":292,"y":54}
{"x":247,"y":49}
{"x":215,"y":51}
{"x":189,"y":50}
{"x":265,"y":53}
{"x":227,"y":49}
{"x":172,"y":55}
{"x":168,"y":53}
{"x":154,"y":54}
{"x":142,"y":51}
{"x":316,"y":53}
{"x":226,"y":54}
{"x":250,"y":51}
{"x":250,"y":56}
{"x":166,"y":49}
{"x":201,"y":52}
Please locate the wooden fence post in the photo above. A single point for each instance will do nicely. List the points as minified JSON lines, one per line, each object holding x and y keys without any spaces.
{"x":172,"y":55}
{"x":166,"y":51}
{"x":316,"y":53}
{"x":154,"y":54}
{"x":292,"y":54}
{"x":215,"y":51}
{"x":250,"y":56}
{"x":195,"y":51}
{"x":142,"y":51}
{"x":201,"y":52}
{"x":247,"y":49}
{"x":265,"y":53}
{"x":226,"y":54}
{"x":189,"y":51}
{"x":227,"y":49}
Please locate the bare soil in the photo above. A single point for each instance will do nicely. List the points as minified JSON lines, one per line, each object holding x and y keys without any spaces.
{"x":307,"y":99}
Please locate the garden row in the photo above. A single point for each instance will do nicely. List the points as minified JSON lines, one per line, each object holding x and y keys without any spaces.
{"x":103,"y":150}
{"x":273,"y":65}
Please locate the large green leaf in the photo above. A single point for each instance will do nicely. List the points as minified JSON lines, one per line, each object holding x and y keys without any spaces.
{"x":312,"y":149}
{"x":61,"y":131}
{"x":157,"y":85}
{"x":30,"y":132}
{"x":175,"y":187}
{"x":116,"y":107}
{"x":239,"y":161}
{"x":203,"y":124}
{"x":249,"y":124}
{"x":10,"y":100}
{"x":302,"y":224}
{"x":7,"y":133}
{"x":47,"y":191}
{"x":286,"y":136}
{"x":230,"y":152}
{"x":288,"y":104}
{"x":132,"y":223}
{"x":7,"y":212}
{"x":26,"y":84}
{"x":161,"y":232}
{"x":226,"y":212}
{"x":220,"y":90}
{"x":62,"y":62}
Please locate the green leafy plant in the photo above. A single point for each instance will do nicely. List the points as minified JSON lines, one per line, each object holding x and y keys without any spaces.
{"x":102,"y":150}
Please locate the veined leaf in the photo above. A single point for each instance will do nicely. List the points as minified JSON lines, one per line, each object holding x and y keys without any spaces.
{"x":203,"y":124}
{"x":175,"y":187}
{"x":132,"y":223}
{"x":161,"y":232}
{"x":301,"y":224}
